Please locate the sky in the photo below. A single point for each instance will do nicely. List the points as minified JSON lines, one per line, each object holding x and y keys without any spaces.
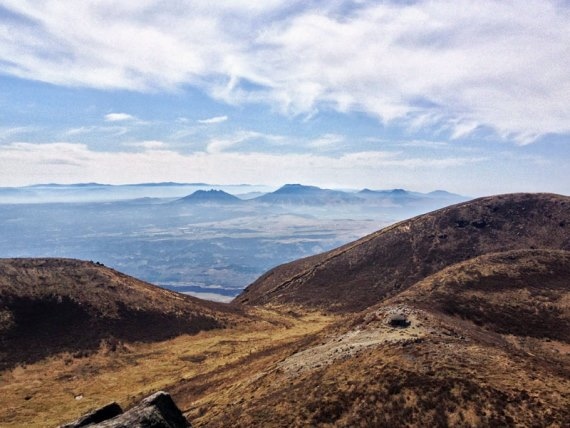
{"x":468,"y":96}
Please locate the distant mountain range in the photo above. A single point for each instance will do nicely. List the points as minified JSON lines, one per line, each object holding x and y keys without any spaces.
{"x":289,"y":194}
{"x":84,"y":185}
{"x":299,"y":194}
{"x":401,"y":194}
{"x":96,"y":192}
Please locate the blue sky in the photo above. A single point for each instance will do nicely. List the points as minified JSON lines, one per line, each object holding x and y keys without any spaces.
{"x":472,"y":97}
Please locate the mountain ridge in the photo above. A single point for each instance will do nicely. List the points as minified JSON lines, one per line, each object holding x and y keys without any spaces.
{"x":288,"y":194}
{"x":459,"y":358}
{"x":484,"y":224}
{"x":48,"y":306}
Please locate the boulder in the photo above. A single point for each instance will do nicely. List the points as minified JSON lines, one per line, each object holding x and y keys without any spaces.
{"x":155,"y":411}
{"x":101,"y":414}
{"x":399,"y":320}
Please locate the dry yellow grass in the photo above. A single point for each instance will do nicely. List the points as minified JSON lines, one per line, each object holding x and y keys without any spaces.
{"x":62,"y":388}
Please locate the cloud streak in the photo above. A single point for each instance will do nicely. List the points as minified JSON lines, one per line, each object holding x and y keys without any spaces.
{"x":7,"y":132}
{"x":148,"y":145}
{"x":213,"y":120}
{"x":119,"y":117}
{"x":222,"y":144}
{"x":71,"y":162}
{"x":326,"y":141}
{"x":459,"y":66}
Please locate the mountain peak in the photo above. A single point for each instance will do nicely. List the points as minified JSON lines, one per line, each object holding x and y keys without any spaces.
{"x":210,"y":196}
{"x":398,"y":192}
{"x":295,"y":188}
{"x":299,"y":194}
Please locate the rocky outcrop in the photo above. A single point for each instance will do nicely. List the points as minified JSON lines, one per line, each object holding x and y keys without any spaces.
{"x":155,"y":411}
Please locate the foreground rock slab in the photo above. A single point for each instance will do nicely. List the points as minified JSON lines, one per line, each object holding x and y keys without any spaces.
{"x":155,"y":411}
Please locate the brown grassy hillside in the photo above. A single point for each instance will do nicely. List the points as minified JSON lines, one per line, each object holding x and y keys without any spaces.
{"x":384,"y":263}
{"x":487,"y":345}
{"x":55,"y":305}
{"x":523,"y":293}
{"x":206,"y":365}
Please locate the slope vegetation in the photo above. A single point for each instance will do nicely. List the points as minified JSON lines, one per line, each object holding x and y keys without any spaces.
{"x":362,"y":273}
{"x":54,"y":305}
{"x":485,"y":343}
{"x":523,"y":293}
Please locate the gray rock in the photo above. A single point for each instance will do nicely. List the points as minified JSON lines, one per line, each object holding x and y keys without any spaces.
{"x":399,"y":320}
{"x":155,"y":411}
{"x":101,"y":414}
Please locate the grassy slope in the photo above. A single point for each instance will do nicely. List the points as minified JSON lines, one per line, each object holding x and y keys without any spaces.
{"x":476,"y":354}
{"x":51,"y":305}
{"x":364,"y":272}
{"x":295,"y":368}
{"x":203,"y":366}
{"x":523,"y":293}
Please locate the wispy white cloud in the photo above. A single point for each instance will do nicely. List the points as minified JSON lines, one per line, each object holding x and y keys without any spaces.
{"x":11,"y":131}
{"x":218,"y":145}
{"x":326,"y":141}
{"x":119,"y":117}
{"x":426,"y":144}
{"x":213,"y":120}
{"x":79,"y":130}
{"x":462,"y":128}
{"x":184,"y":132}
{"x":69,"y":162}
{"x":148,"y":145}
{"x":437,"y":64}
{"x":113,"y":130}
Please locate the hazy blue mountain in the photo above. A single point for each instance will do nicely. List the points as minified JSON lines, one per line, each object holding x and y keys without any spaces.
{"x":96,"y":192}
{"x":192,"y":247}
{"x":166,"y":184}
{"x":210,"y":197}
{"x":392,"y":193}
{"x":443,"y":194}
{"x":10,"y":191}
{"x":298,"y":194}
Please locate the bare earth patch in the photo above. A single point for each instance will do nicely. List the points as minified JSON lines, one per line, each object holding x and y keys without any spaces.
{"x":375,"y":331}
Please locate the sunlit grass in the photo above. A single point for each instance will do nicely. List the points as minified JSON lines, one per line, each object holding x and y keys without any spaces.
{"x":63,"y":387}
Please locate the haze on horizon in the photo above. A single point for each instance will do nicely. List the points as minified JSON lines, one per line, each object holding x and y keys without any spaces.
{"x":471,"y":97}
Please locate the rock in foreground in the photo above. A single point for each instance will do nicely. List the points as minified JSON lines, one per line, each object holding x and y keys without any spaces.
{"x":155,"y":411}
